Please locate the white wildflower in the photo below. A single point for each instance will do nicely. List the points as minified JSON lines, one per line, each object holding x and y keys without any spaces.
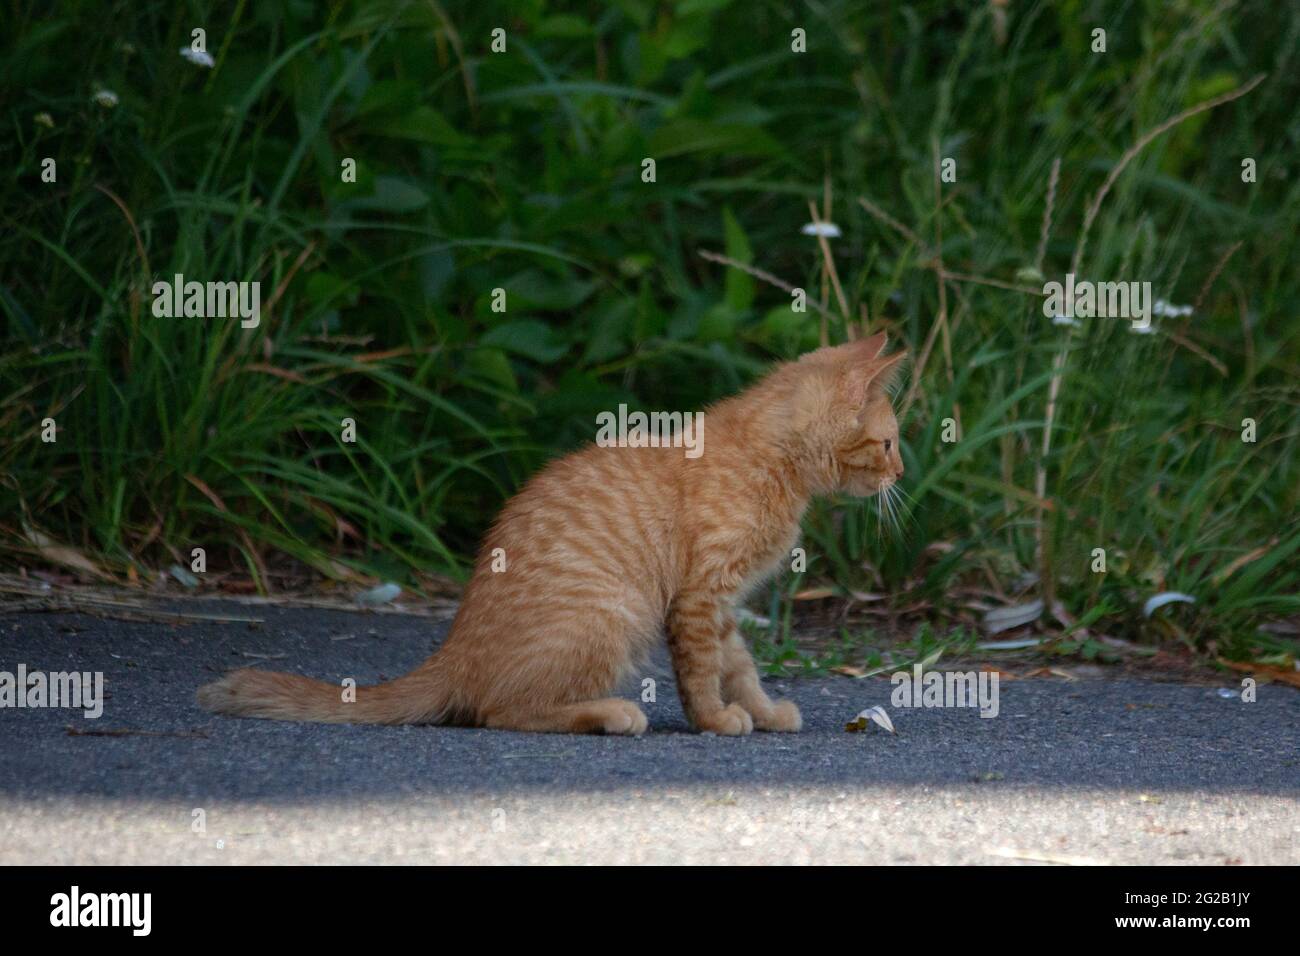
{"x":198,"y":57}
{"x":1170,"y":310}
{"x":827,"y":229}
{"x":105,"y":98}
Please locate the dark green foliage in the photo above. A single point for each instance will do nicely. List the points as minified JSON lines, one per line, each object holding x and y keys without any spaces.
{"x":522,"y":171}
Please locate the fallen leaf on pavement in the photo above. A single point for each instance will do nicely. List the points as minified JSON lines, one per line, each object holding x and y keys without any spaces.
{"x":66,"y":556}
{"x":876,"y":715}
{"x":1158,"y":601}
{"x":1016,"y":615}
{"x":1265,"y":671}
{"x":848,"y":671}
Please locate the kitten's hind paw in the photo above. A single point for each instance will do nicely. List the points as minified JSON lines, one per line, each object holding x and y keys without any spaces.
{"x":627,"y":719}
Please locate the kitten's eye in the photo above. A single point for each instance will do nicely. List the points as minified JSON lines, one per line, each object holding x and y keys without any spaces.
{"x":889,"y":443}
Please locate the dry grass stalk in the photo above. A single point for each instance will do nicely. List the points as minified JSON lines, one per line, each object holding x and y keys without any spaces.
{"x":1052,"y":180}
{"x":1058,"y":364}
{"x":829,"y":265}
{"x":761,"y":275}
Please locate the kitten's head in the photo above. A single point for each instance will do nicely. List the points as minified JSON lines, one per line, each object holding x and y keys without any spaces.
{"x":855,"y":429}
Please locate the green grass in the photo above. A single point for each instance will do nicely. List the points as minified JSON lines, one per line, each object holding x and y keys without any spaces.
{"x":522,"y":171}
{"x":781,"y":652}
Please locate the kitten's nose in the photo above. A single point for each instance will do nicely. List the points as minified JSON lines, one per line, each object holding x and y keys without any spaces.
{"x":898,"y":472}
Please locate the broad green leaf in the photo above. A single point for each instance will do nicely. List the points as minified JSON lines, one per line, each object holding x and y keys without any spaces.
{"x":527,"y":337}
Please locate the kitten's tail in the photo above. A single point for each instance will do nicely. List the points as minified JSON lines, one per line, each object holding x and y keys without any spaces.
{"x":421,"y":697}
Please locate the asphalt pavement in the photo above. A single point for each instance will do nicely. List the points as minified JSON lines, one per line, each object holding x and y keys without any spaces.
{"x":1069,"y":772}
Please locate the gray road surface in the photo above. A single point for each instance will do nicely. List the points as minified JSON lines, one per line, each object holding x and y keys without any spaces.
{"x":1094,"y":771}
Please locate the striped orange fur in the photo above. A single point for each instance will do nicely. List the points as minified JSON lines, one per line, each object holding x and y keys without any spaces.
{"x":610,"y":548}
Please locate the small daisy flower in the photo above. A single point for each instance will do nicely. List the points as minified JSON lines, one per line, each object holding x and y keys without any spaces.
{"x":198,"y":57}
{"x":1170,"y":310}
{"x":105,"y":98}
{"x":827,"y":229}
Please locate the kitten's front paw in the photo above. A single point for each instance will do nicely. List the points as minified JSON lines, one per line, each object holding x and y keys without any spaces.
{"x":783,"y":717}
{"x":731,"y":721}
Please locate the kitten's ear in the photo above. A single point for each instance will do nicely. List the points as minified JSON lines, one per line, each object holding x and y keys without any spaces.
{"x":887,"y":369}
{"x":861,"y":350}
{"x":856,"y":379}
{"x":875,"y":345}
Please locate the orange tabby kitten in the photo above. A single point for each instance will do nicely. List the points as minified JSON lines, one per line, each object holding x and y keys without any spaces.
{"x":609,"y":547}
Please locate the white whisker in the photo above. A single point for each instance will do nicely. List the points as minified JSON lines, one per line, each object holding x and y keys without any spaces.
{"x":890,"y":507}
{"x":906,"y":504}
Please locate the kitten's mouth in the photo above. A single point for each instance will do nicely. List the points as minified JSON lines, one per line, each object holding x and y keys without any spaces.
{"x":866,"y":485}
{"x":891,"y":499}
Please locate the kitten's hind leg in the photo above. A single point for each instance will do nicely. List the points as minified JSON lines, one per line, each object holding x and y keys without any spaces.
{"x":608,"y":716}
{"x":740,"y":685}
